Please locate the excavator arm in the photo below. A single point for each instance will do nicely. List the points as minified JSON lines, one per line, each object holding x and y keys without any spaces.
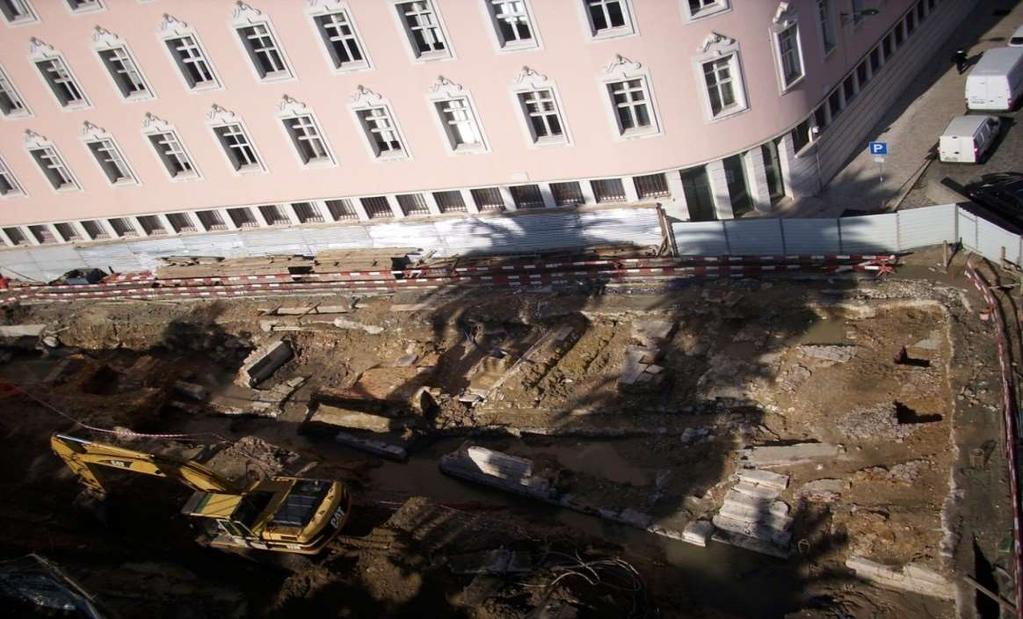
{"x":83,"y":456}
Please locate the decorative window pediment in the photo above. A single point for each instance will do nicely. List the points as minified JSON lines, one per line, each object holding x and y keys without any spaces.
{"x":154,"y":124}
{"x":245,"y":14}
{"x":91,"y":132}
{"x":40,"y":50}
{"x":364,"y":97}
{"x":104,"y":39}
{"x":292,"y":107}
{"x":444,"y":88}
{"x":622,"y":67}
{"x":784,"y":17}
{"x":717,"y":44}
{"x":221,"y":116}
{"x":173,"y":27}
{"x":528,"y":79}
{"x":35,"y":140}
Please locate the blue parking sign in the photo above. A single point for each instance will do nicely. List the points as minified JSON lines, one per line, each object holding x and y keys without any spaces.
{"x":879,"y":149}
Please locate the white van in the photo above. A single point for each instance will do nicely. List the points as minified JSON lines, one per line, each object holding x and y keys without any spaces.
{"x":996,"y":83}
{"x":967,"y":139}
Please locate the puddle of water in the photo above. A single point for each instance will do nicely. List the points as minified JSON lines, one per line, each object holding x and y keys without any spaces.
{"x":600,"y":460}
{"x":825,"y":332}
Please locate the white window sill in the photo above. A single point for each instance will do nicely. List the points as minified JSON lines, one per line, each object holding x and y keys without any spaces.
{"x":707,"y":12}
{"x":352,"y":67}
{"x":613,"y":33}
{"x":318,"y":164}
{"x":124,"y":182}
{"x":518,"y":46}
{"x":469,"y":149}
{"x":14,"y":193}
{"x":430,"y":56}
{"x":204,"y":86}
{"x":392,"y":155}
{"x":727,"y":113}
{"x":278,"y":76}
{"x":254,"y":168}
{"x":184,"y":176}
{"x":791,"y":85}
{"x":551,"y":140}
{"x":21,"y":21}
{"x":639,"y":132}
{"x":94,"y":8}
{"x":77,"y":105}
{"x":144,"y":95}
{"x":66,"y":188}
{"x":15,"y":115}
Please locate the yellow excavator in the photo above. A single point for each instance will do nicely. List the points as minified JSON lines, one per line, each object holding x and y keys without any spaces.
{"x":286,"y":514}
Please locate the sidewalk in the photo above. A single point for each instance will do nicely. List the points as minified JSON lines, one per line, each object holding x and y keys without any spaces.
{"x":930,"y":101}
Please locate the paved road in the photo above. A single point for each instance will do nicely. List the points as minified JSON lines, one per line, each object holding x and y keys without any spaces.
{"x":917,"y":120}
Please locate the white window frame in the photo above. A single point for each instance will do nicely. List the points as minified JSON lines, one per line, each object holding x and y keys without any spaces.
{"x":784,"y":21}
{"x":445,"y":91}
{"x":93,"y":6}
{"x":323,"y":8}
{"x":92,"y":134}
{"x":220,"y":118}
{"x":719,"y":47}
{"x":34,"y":141}
{"x":530,"y":81}
{"x":713,"y":7}
{"x":291,"y":109}
{"x":17,"y":190}
{"x":629,"y":28}
{"x":247,"y":17}
{"x":621,"y":69}
{"x":856,"y":12}
{"x":42,"y":52}
{"x":826,"y":26}
{"x":366,"y":100}
{"x":417,"y":56}
{"x":28,"y":18}
{"x":172,"y":29}
{"x":152,"y":126}
{"x":106,"y":41}
{"x":6,"y":85}
{"x":500,"y":44}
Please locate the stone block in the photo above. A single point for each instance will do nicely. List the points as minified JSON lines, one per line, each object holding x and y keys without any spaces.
{"x":763,"y":478}
{"x":263,"y":362}
{"x":698,"y":532}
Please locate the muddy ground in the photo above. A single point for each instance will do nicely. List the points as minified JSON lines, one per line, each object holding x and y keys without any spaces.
{"x":902,"y":375}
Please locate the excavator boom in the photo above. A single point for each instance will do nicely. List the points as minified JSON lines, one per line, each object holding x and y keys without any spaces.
{"x":83,"y":456}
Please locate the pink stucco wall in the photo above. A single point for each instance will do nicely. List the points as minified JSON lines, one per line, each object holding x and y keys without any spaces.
{"x":665,"y":45}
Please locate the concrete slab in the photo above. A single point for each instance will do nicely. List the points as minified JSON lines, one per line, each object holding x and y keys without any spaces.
{"x":263,"y":362}
{"x":763,"y":478}
{"x":911,"y":577}
{"x":788,"y":455}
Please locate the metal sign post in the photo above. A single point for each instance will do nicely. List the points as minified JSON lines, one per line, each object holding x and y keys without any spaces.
{"x":879,"y":150}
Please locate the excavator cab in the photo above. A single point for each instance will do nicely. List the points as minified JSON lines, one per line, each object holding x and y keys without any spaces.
{"x":286,"y":514}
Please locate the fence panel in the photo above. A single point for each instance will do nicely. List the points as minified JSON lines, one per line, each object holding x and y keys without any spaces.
{"x":755,"y":237}
{"x":931,"y":225}
{"x":703,"y":238}
{"x":967,"y":226}
{"x":335,"y":237}
{"x":811,"y":236}
{"x":869,"y":234}
{"x":994,"y":242}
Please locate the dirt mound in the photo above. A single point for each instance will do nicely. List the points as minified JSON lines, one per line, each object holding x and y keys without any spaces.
{"x":251,"y":458}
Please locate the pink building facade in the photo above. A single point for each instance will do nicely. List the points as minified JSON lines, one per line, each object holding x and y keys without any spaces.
{"x":128,"y":119}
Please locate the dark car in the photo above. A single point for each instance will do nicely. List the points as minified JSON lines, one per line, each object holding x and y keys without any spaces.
{"x":1001,"y":193}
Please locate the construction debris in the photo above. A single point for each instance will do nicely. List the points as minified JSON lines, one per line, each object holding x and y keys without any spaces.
{"x":823,"y":490}
{"x":373,"y":446}
{"x":788,"y":455}
{"x":752,"y":510}
{"x":698,"y":532}
{"x":263,"y":362}
{"x":640,"y":371}
{"x":911,"y":577}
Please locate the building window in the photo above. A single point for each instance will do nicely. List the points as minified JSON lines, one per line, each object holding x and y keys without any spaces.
{"x":192,"y":63}
{"x":151,"y":225}
{"x":419,"y":19}
{"x":11,"y":103}
{"x":721,"y":88}
{"x":84,"y":6}
{"x":608,"y":17}
{"x":242,"y":218}
{"x":849,"y":88}
{"x":381,"y":132}
{"x":702,"y":8}
{"x":125,"y":73}
{"x":449,"y":201}
{"x":820,"y":118}
{"x":488,"y":199}
{"x":827,"y":25}
{"x":910,"y":23}
{"x":789,"y":55}
{"x":341,"y":41}
{"x":8,"y":184}
{"x":772,"y":169}
{"x":17,"y":11}
{"x":413,"y":204}
{"x":123,"y":227}
{"x":111,"y":162}
{"x":172,"y":154}
{"x":377,"y":207}
{"x":211,"y":221}
{"x":857,"y":11}
{"x":527,"y":196}
{"x":94,"y":229}
{"x":875,"y":60}
{"x":42,"y":234}
{"x":16,"y":236}
{"x":900,"y":36}
{"x":631,"y":103}
{"x":238,"y":148}
{"x":341,"y":210}
{"x":305,"y":135}
{"x":68,"y":232}
{"x":273,"y":215}
{"x":181,"y":222}
{"x":263,"y":51}
{"x":542,"y":116}
{"x":512,"y":23}
{"x":307,"y":213}
{"x":59,"y":79}
{"x":608,"y":190}
{"x":861,"y":74}
{"x":801,"y":136}
{"x":53,"y":168}
{"x":651,"y":186}
{"x":460,"y":124}
{"x":567,"y":194}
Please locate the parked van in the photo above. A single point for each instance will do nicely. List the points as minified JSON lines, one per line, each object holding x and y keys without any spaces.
{"x":968,"y":138}
{"x":996,"y":83}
